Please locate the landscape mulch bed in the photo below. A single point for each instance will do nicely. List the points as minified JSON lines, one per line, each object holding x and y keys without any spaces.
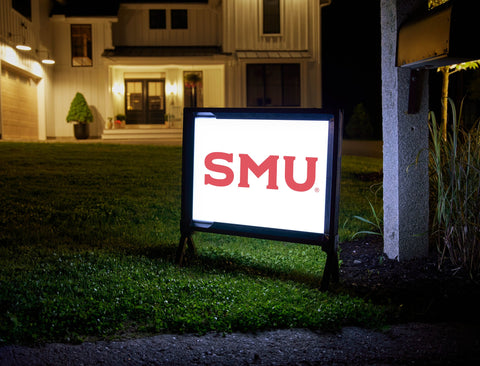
{"x":420,"y":289}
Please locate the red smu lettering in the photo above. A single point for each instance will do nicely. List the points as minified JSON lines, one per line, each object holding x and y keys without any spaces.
{"x":309,"y":182}
{"x":210,"y":165}
{"x":270,"y":164}
{"x":247,"y":164}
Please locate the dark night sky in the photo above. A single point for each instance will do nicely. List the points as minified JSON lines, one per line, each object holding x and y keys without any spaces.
{"x":351,"y":57}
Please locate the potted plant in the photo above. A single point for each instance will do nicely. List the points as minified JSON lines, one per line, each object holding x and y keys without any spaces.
{"x":120,"y":120}
{"x":81,"y":115}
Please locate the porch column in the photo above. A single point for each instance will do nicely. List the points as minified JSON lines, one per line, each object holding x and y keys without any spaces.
{"x":405,"y":184}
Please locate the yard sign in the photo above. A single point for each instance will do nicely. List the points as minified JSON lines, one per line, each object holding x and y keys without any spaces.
{"x":264,"y":173}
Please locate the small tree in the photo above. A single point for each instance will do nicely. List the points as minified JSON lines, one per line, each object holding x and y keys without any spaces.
{"x":446,"y":72}
{"x":79,"y":110}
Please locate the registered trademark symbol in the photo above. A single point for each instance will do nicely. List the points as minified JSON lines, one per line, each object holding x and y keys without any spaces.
{"x":317,"y":190}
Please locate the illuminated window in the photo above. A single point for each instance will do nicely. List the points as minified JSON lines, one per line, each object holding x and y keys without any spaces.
{"x":271,"y":16}
{"x":273,"y":85}
{"x":81,"y":45}
{"x":179,"y":18}
{"x":158,"y":19}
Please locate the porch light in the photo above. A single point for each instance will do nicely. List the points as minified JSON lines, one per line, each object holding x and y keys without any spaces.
{"x":172,"y":89}
{"x":118,"y":88}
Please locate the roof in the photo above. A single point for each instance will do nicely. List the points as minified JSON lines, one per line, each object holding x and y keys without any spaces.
{"x":163,"y":51}
{"x":85,"y":8}
{"x":281,"y":54}
{"x":100,"y":8}
{"x":165,"y":1}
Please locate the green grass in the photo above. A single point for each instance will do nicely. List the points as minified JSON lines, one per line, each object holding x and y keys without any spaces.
{"x":88,"y":234}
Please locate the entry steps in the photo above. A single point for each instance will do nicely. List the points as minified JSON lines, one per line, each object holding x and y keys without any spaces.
{"x":147,"y":133}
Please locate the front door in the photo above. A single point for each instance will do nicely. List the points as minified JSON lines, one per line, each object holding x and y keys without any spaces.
{"x":145,"y":101}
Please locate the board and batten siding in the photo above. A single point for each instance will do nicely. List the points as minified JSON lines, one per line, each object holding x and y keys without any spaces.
{"x":91,"y":81}
{"x":243,"y":26}
{"x":214,"y":87}
{"x":133,"y":28}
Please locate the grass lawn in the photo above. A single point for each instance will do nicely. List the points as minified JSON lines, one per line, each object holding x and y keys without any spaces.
{"x":88,"y":234}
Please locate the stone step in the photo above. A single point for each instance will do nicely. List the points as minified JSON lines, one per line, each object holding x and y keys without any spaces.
{"x":143,"y":133}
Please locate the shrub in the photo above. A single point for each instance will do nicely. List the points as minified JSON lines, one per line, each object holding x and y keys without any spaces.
{"x":79,"y":110}
{"x":359,"y":125}
{"x":455,"y":181}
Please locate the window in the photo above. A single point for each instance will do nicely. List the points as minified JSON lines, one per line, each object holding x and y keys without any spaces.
{"x":158,"y":19}
{"x":179,"y":18}
{"x":24,"y":7}
{"x":271,"y":16}
{"x":81,"y":44}
{"x":273,"y":85}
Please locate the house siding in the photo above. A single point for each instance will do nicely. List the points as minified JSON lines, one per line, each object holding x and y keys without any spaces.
{"x":91,"y":81}
{"x":243,"y":29}
{"x":133,"y":27}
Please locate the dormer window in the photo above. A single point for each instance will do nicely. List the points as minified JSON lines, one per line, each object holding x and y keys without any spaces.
{"x":174,"y":19}
{"x":158,"y":19}
{"x":179,"y":19}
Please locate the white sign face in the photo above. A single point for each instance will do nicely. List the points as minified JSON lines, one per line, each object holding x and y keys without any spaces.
{"x":265,"y":173}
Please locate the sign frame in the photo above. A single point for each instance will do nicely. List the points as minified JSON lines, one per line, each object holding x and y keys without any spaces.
{"x":327,"y":239}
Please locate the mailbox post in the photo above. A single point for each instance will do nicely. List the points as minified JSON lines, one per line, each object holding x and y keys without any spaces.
{"x":412,"y":42}
{"x":405,"y":186}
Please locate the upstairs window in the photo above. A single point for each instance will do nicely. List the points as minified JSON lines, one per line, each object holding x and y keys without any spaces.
{"x":81,"y":44}
{"x":271,"y":17}
{"x":24,"y":7}
{"x":179,"y":18}
{"x":158,"y":19}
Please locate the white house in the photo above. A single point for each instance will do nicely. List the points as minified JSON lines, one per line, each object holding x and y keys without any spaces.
{"x":148,"y":60}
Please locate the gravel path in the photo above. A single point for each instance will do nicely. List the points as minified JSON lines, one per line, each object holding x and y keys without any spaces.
{"x":406,"y":344}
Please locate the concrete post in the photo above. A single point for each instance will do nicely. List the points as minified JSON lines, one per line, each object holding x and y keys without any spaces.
{"x":405,"y":184}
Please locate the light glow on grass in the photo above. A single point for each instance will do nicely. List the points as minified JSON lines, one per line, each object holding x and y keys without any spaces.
{"x":87,"y":247}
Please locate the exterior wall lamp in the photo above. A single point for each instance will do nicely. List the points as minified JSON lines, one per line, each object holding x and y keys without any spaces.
{"x":45,"y":60}
{"x":172,"y":89}
{"x":20,"y":42}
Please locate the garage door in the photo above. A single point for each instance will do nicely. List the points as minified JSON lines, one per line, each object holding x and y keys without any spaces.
{"x":19,"y":105}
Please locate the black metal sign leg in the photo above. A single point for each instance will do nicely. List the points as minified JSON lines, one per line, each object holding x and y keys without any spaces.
{"x":331,"y":271}
{"x":186,"y":244}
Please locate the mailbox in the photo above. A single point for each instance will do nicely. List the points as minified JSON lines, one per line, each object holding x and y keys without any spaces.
{"x":445,"y":36}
